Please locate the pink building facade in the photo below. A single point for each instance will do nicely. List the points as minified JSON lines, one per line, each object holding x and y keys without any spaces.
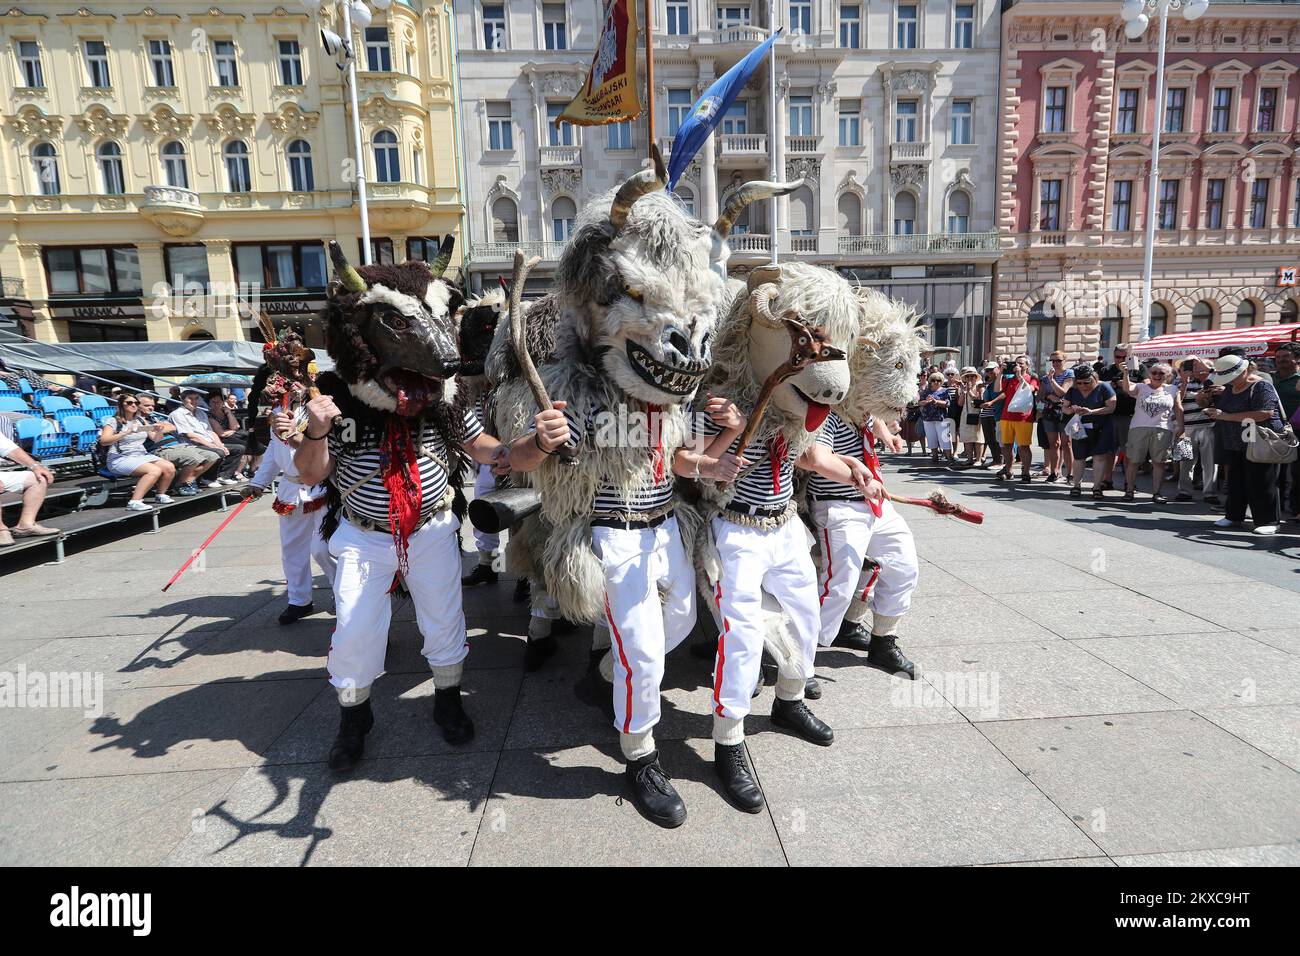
{"x":1078,"y":110}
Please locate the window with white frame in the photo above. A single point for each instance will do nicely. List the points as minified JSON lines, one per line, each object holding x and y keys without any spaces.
{"x":679,"y":18}
{"x":619,"y":135}
{"x":1167,"y":204}
{"x":963,"y":26}
{"x":289,"y":55}
{"x":1175,"y":109}
{"x":500,"y":127}
{"x":679,"y":108}
{"x":1121,"y":205}
{"x":904,"y":214}
{"x":1055,"y":109}
{"x":1214,"y":190}
{"x":905,"y":114}
{"x":302,"y":178}
{"x":226,"y":63}
{"x":563,"y":215}
{"x":239,"y":177}
{"x":959,"y":212}
{"x":494,"y":26}
{"x":557,"y":134}
{"x":801,"y":116}
{"x":1221,"y":110}
{"x":1126,"y":110}
{"x":963,"y":112}
{"x":160,"y":63}
{"x":851,"y":26}
{"x":175,"y":166}
{"x":800,"y":18}
{"x":29,"y":64}
{"x":736,"y":119}
{"x":45,"y":166}
{"x":97,"y":64}
{"x":732,"y":15}
{"x":417,"y":165}
{"x":505,"y":220}
{"x":112,"y":176}
{"x":379,"y":54}
{"x":850,"y":122}
{"x":1049,"y":205}
{"x":905,"y":33}
{"x":388,"y":159}
{"x":554,"y":27}
{"x":1259,"y":203}
{"x":1266,"y":111}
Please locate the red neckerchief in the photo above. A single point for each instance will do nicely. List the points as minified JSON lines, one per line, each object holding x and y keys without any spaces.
{"x":776,"y":452}
{"x":870,"y":459}
{"x":400,"y":472}
{"x":657,"y":429}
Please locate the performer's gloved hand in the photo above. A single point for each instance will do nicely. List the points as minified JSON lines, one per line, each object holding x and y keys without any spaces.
{"x":552,"y":427}
{"x":321,"y":412}
{"x":723,"y":412}
{"x":727,"y":468}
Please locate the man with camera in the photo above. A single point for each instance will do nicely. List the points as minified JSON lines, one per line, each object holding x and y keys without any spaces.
{"x":1016,"y":423}
{"x":1125,"y":406}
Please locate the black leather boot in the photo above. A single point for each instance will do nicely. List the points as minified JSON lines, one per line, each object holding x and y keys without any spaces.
{"x":794,"y":715}
{"x":538,"y":652}
{"x":884,"y":653}
{"x":812,"y":689}
{"x":737,"y":779}
{"x":449,"y":714}
{"x":295,"y":612}
{"x":853,"y":636}
{"x":522,"y":590}
{"x":354,"y":723}
{"x":482,"y":574}
{"x":653,"y":795}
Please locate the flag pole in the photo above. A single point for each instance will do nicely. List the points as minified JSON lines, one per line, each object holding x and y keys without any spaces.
{"x":772,"y":124}
{"x":649,"y":80}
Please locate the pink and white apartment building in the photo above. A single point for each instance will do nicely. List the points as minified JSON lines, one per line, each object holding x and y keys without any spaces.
{"x":1078,"y":108}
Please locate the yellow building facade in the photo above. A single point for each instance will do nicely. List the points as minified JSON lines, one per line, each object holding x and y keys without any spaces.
{"x":171,"y":168}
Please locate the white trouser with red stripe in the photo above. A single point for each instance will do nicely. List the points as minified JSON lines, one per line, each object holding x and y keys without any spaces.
{"x":755,"y":561}
{"x":639,"y":563}
{"x":363,"y":608}
{"x":487,"y":544}
{"x":300,"y":542}
{"x":850,"y":533}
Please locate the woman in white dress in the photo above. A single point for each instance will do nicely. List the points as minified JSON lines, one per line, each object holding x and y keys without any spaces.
{"x":124,"y":435}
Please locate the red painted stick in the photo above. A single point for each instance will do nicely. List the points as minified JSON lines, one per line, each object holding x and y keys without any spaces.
{"x":937,"y":502}
{"x":229,"y":518}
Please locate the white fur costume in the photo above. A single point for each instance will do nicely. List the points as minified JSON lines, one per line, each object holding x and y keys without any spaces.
{"x":300,"y":539}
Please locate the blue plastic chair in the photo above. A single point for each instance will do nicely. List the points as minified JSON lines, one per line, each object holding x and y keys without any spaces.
{"x":10,"y":393}
{"x":10,"y":404}
{"x":83,"y":431}
{"x":25,"y":386}
{"x":90,"y":400}
{"x":63,"y":414}
{"x":39,"y":394}
{"x":101,"y":415}
{"x":53,"y":403}
{"x":28,"y":430}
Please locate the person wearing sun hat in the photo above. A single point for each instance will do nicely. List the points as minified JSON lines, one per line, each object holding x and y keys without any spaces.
{"x":1252,"y":485}
{"x":969,"y":398}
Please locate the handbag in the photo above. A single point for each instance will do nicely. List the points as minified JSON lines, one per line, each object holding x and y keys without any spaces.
{"x":972,"y":418}
{"x":1075,"y":428}
{"x":1270,"y":447}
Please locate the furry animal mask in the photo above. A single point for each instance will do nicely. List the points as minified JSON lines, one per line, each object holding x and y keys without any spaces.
{"x":884,"y":378}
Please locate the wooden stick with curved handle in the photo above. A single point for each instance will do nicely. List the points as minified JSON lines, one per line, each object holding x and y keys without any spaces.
{"x":939,"y":502}
{"x":519,"y":342}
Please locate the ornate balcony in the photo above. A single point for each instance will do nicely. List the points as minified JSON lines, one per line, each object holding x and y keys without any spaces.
{"x":740,"y":149}
{"x":561,"y":155}
{"x":909,"y":152}
{"x":505,"y":251}
{"x":964,"y":244}
{"x":174,"y":210}
{"x":802,"y":145}
{"x":398,"y":207}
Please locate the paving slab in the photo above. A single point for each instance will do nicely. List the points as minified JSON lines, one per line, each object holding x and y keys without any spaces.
{"x":1282,"y":854}
{"x":1236,"y":605}
{"x":966,"y":619}
{"x":1274,"y":730}
{"x":1159,"y":782}
{"x":1075,"y":614}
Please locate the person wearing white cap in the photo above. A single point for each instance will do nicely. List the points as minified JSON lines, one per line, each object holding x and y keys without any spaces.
{"x":1246,"y":397}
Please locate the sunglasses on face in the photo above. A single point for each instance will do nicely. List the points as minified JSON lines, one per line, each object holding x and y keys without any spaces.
{"x":131,"y":402}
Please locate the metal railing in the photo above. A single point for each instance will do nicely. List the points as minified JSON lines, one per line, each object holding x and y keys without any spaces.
{"x":505,"y":251}
{"x":920,"y":243}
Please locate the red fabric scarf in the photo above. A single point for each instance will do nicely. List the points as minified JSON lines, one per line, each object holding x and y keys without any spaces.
{"x":872,"y":462}
{"x":400,"y":473}
{"x":776,"y":452}
{"x":655,"y":414}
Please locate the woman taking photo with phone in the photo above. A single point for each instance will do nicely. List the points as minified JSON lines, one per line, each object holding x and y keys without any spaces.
{"x":124,"y":436}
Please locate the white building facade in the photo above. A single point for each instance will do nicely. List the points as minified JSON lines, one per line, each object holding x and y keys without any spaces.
{"x":888,"y":109}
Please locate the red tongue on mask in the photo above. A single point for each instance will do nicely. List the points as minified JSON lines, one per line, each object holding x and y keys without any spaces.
{"x":815,"y":415}
{"x":412,"y":391}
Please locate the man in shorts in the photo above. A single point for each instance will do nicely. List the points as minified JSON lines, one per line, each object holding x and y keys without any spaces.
{"x":31,"y":484}
{"x":1017,"y":425}
{"x":191,"y":461}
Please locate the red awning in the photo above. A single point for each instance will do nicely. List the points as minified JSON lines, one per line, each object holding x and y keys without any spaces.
{"x":1255,"y":339}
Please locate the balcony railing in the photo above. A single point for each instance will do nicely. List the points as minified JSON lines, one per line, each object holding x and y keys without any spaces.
{"x":561,"y":155}
{"x":171,"y":196}
{"x":736,"y":34}
{"x":505,"y":251}
{"x":802,"y":144}
{"x":742,"y":144}
{"x":749,"y":242}
{"x":922,"y":243}
{"x":909,"y":152}
{"x":803,"y":243}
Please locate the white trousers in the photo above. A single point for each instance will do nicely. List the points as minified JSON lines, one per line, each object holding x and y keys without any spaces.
{"x":300,"y":542}
{"x":363,"y":608}
{"x":640,"y":564}
{"x":485,"y":481}
{"x":850,"y":533}
{"x":1202,"y":439}
{"x":938,"y":435}
{"x":754,"y":561}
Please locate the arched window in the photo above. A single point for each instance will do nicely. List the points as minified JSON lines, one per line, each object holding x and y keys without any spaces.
{"x":388,"y":163}
{"x":688,"y":199}
{"x":175,"y":171}
{"x":1202,"y":316}
{"x":803,"y":217}
{"x":959,"y":212}
{"x":45,"y":163}
{"x":1290,"y":312}
{"x":239,"y":178}
{"x":111,"y":176}
{"x":563,"y":213}
{"x":1159,"y":323}
{"x":1040,"y":334}
{"x":850,"y":213}
{"x":1112,"y":331}
{"x":301,"y":177}
{"x":1246,"y":313}
{"x":904,"y":214}
{"x":505,"y":220}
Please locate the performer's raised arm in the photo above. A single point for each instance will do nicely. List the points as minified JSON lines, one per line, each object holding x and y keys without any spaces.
{"x":312,"y":458}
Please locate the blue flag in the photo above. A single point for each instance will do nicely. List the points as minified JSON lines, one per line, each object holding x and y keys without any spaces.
{"x":709,"y":109}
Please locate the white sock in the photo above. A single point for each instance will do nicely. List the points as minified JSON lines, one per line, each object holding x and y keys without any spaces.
{"x":884,"y":625}
{"x":790,"y":688}
{"x":352,"y":696}
{"x":857,"y":612}
{"x":447,"y":675}
{"x":728,"y":730}
{"x":636,"y":746}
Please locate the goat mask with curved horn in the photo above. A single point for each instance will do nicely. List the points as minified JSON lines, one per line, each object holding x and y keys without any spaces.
{"x":639,"y":184}
{"x":749,"y":193}
{"x":439,"y":265}
{"x":347,"y":275}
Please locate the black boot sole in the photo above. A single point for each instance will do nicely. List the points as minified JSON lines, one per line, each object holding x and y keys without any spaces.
{"x":336,"y":767}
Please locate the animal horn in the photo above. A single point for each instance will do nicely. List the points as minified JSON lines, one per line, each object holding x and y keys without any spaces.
{"x":349,"y":276}
{"x":439,"y":265}
{"x":749,"y":193}
{"x":760,"y":304}
{"x":867,"y":343}
{"x":637,"y":185}
{"x":762,"y":275}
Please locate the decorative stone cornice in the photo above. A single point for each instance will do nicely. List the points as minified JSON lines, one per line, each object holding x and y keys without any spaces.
{"x":85,"y":15}
{"x":561,"y":180}
{"x":280,"y":15}
{"x":163,"y":121}
{"x":290,"y":120}
{"x":554,"y":80}
{"x":15,"y":17}
{"x":217,"y":15}
{"x":99,"y":122}
{"x":150,"y":15}
{"x":33,"y":122}
{"x":804,"y":167}
{"x":228,"y":121}
{"x":911,"y":174}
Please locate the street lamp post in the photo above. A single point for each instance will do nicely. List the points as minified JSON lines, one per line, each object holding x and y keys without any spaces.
{"x":1137,"y":14}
